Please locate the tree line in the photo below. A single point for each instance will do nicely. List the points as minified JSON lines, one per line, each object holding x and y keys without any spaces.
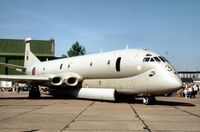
{"x":75,"y":50}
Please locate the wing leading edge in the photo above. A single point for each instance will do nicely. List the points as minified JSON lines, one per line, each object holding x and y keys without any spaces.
{"x":68,"y":79}
{"x":17,"y":67}
{"x":39,"y":79}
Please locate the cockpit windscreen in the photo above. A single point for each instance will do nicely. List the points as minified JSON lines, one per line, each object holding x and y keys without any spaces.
{"x":155,"y":59}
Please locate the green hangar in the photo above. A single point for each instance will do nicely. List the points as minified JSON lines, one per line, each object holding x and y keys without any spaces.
{"x":12,"y":52}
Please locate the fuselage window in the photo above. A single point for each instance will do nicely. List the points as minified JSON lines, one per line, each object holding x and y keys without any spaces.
{"x":157,"y":59}
{"x":61,"y":66}
{"x":108,"y":62}
{"x":162,"y":59}
{"x":146,"y":59}
{"x":43,"y":68}
{"x":152,"y":60}
{"x":69,"y":66}
{"x":118,"y":61}
{"x":90,"y":63}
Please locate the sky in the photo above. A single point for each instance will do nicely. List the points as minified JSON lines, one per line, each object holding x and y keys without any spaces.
{"x":168,"y":27}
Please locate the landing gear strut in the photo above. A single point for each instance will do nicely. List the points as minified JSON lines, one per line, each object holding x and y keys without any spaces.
{"x":34,"y":92}
{"x":149,"y":100}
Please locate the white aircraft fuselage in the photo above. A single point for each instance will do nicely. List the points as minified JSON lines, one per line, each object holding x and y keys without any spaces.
{"x":129,"y":71}
{"x":124,"y":70}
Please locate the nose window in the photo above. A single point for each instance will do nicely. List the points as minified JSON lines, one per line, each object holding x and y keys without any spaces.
{"x":152,"y":60}
{"x":146,"y":59}
{"x":162,"y":58}
{"x":157,"y":59}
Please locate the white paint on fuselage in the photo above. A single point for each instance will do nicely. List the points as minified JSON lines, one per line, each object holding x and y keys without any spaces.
{"x":95,"y":66}
{"x":99,"y":71}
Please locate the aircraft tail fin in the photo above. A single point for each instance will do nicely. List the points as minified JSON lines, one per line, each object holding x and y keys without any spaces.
{"x":29,"y":57}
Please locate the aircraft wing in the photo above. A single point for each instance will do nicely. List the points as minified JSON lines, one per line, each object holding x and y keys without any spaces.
{"x":67,"y":79}
{"x":17,"y":67}
{"x":39,"y":79}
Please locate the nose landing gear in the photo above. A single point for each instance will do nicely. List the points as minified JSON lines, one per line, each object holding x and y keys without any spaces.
{"x":149,"y":100}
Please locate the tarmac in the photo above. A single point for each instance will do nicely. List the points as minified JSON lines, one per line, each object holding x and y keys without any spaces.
{"x":20,"y":114}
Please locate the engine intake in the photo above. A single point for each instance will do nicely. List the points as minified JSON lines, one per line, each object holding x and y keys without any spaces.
{"x":57,"y":81}
{"x":72,"y":81}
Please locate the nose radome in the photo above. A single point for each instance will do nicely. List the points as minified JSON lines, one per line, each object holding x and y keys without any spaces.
{"x":175,"y":82}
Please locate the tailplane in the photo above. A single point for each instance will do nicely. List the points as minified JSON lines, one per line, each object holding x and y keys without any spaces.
{"x":29,"y":57}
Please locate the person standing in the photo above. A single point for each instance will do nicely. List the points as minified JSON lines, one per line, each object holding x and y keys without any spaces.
{"x":195,"y":89}
{"x":190,"y":91}
{"x":186,"y":91}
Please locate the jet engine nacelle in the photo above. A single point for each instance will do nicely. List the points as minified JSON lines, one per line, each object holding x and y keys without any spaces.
{"x":57,"y":81}
{"x":71,"y":79}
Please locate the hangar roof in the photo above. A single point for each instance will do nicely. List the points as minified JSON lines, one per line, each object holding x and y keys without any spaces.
{"x":16,"y":47}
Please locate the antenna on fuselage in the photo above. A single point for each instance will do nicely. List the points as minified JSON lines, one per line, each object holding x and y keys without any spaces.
{"x":144,"y":48}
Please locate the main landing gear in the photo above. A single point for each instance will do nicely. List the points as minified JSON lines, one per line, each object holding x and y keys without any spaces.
{"x":34,"y":92}
{"x":149,"y":100}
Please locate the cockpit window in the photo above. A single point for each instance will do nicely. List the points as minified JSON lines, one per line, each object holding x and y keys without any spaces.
{"x":165,"y":59}
{"x":152,"y":60}
{"x":162,"y":58}
{"x":146,"y":59}
{"x":148,"y":55}
{"x":157,"y":59}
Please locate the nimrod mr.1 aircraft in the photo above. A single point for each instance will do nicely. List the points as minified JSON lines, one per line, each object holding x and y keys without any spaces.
{"x":101,"y":76}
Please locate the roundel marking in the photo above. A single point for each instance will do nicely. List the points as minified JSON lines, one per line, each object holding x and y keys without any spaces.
{"x":33,"y":71}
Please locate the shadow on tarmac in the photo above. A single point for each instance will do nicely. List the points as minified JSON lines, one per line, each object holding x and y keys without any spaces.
{"x":170,"y":103}
{"x":34,"y":130}
{"x":164,"y":103}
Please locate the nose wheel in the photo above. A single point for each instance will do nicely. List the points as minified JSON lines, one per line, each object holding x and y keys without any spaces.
{"x":149,"y":100}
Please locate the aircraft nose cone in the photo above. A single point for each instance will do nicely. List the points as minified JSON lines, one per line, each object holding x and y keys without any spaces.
{"x":178,"y":82}
{"x":175,"y":82}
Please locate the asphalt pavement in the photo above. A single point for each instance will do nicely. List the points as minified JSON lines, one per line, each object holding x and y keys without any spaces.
{"x":20,"y":114}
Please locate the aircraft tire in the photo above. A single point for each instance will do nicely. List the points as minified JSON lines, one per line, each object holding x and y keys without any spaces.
{"x":34,"y":92}
{"x":124,"y":97}
{"x":149,"y":100}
